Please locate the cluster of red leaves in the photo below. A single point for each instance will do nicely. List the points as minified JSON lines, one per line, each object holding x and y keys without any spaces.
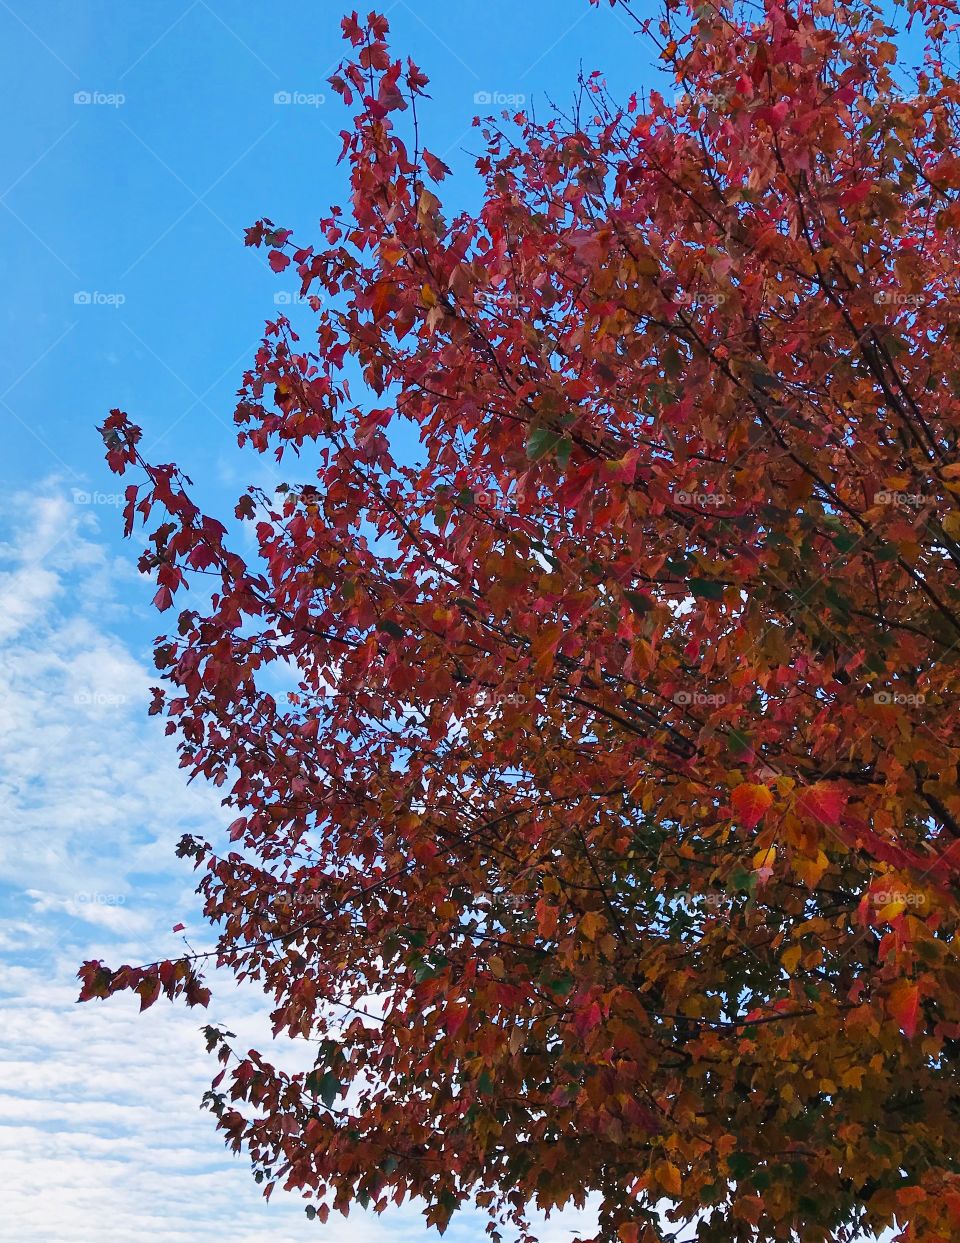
{"x":615,"y":812}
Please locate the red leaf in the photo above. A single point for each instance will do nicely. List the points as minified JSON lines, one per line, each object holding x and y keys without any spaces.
{"x":278,"y":260}
{"x":587,"y":1020}
{"x":823,"y":802}
{"x":749,"y":803}
{"x":436,"y":168}
{"x":904,"y":1005}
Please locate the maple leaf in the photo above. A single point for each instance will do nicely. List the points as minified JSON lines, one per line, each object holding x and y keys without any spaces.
{"x":904,"y":1006}
{"x":823,"y":802}
{"x":750,"y":803}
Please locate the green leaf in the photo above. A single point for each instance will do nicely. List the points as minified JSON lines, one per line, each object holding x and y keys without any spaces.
{"x":738,"y":742}
{"x":739,"y":1164}
{"x":845,"y":542}
{"x":639,"y":602}
{"x":329,"y":1088}
{"x":561,"y":985}
{"x":542,"y":440}
{"x":706,"y":588}
{"x":741,"y":881}
{"x":391,"y":627}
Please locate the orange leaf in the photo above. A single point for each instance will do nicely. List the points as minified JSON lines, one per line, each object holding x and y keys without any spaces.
{"x":668,"y":1176}
{"x":749,"y":803}
{"x":904,"y":1005}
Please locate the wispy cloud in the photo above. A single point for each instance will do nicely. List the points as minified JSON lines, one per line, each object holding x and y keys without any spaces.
{"x":101,"y":1137}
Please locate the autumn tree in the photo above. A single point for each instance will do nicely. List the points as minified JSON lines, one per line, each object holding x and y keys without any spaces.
{"x":608,"y":842}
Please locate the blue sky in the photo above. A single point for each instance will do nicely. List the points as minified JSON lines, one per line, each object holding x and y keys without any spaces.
{"x":141,"y":140}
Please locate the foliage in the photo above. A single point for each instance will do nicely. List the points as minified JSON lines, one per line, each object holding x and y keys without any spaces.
{"x":609,"y":841}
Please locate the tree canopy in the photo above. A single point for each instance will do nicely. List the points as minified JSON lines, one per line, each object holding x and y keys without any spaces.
{"x":609,"y":840}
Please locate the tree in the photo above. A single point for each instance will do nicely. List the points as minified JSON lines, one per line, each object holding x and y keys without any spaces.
{"x":615,"y":811}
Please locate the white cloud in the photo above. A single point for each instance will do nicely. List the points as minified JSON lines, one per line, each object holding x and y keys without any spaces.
{"x":101,"y":1137}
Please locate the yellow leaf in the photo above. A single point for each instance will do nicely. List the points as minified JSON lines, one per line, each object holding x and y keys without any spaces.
{"x":765,"y":858}
{"x":428,"y":297}
{"x":951,"y":524}
{"x":391,"y":251}
{"x":811,"y":870}
{"x":790,"y":958}
{"x":668,"y":1176}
